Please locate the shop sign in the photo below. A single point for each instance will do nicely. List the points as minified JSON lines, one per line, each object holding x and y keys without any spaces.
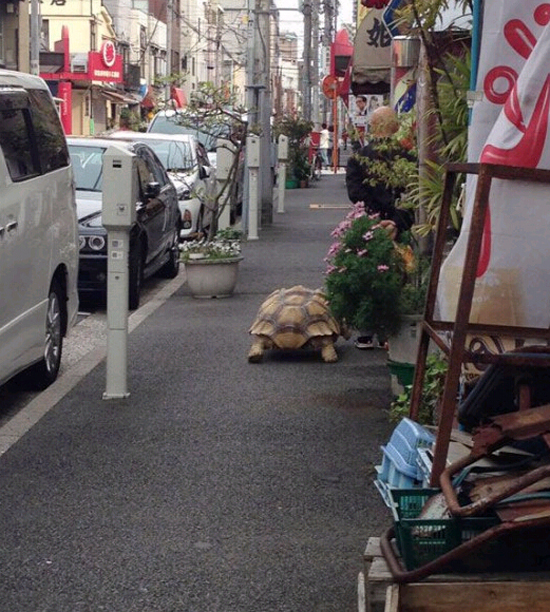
{"x":105,"y":65}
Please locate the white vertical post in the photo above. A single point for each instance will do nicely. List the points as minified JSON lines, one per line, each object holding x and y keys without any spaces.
{"x":253,"y":164}
{"x":282,"y":154}
{"x":225,"y":155}
{"x":120,"y":191}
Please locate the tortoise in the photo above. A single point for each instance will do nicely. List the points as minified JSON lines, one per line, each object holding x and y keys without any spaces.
{"x":295,"y":318}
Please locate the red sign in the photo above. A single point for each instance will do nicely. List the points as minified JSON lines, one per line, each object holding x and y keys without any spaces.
{"x":329,"y":86}
{"x":99,"y":70}
{"x":108,"y":53}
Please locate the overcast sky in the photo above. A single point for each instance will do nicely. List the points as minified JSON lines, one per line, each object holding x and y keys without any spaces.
{"x":293,"y":21}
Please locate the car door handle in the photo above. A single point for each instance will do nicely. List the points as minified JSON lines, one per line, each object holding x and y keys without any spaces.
{"x":11,"y":226}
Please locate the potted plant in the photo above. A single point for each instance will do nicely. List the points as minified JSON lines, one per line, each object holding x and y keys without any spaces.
{"x":298,"y":131}
{"x":212,"y":266}
{"x":374,"y":283}
{"x":366,"y":274}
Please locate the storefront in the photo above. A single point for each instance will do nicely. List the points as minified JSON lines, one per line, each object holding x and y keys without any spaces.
{"x":85,"y":82}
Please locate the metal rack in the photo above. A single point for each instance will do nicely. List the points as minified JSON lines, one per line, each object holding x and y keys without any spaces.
{"x":431,"y":328}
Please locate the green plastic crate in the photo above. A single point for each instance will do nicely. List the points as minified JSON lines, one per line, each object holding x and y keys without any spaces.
{"x":423,"y":540}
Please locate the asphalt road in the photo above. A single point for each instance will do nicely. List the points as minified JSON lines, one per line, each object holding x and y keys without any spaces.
{"x":218,"y":485}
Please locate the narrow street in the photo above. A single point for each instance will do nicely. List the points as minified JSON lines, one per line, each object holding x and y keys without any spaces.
{"x":218,"y":485}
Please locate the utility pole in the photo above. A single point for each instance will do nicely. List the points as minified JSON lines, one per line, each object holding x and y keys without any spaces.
{"x":328,"y":11}
{"x":169,"y":9}
{"x":35,"y":38}
{"x":315,"y":79}
{"x":306,"y":77}
{"x":264,"y":79}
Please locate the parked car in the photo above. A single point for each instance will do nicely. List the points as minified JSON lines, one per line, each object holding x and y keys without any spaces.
{"x":182,"y":122}
{"x":187,"y":164}
{"x":38,"y":231}
{"x":154,"y":238}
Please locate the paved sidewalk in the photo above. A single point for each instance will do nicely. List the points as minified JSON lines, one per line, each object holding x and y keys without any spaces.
{"x":218,"y":485}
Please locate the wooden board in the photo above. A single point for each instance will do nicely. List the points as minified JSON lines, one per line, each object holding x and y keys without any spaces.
{"x":494,"y":592}
{"x":515,"y":596}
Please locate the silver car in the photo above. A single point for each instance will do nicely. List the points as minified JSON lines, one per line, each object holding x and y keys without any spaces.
{"x":189,"y":168}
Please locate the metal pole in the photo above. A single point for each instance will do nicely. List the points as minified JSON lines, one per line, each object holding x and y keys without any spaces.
{"x":169,"y":9}
{"x":306,"y":77}
{"x":35,"y":38}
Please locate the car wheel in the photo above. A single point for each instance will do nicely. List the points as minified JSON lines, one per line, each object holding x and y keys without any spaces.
{"x":172,"y":267}
{"x":136,"y":276}
{"x":43,"y":373}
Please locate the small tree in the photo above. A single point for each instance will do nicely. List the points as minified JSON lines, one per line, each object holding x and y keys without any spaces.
{"x":213,"y":112}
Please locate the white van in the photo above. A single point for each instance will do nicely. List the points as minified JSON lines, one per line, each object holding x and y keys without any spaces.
{"x":38,"y":231}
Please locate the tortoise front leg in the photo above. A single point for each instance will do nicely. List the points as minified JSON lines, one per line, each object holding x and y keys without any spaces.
{"x":256,"y":353}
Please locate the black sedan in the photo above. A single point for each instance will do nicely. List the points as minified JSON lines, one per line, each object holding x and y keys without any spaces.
{"x":154,"y":238}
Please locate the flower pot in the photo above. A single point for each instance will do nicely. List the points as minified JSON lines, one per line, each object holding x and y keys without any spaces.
{"x":304,"y":183}
{"x":402,"y":350}
{"x":403,"y":347}
{"x":291,"y":183}
{"x":209,"y":278}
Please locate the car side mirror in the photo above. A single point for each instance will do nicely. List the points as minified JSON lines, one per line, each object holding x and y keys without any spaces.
{"x":152,"y":190}
{"x":204,"y":172}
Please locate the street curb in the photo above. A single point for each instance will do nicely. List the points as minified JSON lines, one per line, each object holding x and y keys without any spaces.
{"x":28,"y":416}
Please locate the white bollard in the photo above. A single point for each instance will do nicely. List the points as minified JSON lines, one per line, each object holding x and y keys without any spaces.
{"x":281,"y":176}
{"x":253,"y":164}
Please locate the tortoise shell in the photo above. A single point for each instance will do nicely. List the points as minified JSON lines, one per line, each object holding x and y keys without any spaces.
{"x":290,"y":318}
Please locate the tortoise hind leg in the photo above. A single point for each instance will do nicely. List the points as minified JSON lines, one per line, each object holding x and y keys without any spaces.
{"x":328,"y":352}
{"x":256,"y":352}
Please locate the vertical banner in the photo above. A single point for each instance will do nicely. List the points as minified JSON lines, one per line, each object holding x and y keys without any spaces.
{"x":509,"y":126}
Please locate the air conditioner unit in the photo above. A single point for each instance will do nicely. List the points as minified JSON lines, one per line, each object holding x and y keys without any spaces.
{"x":79,"y":63}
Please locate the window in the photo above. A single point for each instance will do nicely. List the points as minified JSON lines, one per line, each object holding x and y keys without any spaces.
{"x":15,"y":141}
{"x":49,"y":135}
{"x":145,"y":177}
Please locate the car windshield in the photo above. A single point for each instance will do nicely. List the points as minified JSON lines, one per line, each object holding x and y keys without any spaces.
{"x":87,"y":166}
{"x":175,"y":156}
{"x":183,"y":124}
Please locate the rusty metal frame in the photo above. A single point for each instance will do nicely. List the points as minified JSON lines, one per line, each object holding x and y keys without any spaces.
{"x":460,"y":328}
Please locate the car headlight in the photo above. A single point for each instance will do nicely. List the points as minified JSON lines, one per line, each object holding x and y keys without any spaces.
{"x":96,"y":243}
{"x":92,"y":243}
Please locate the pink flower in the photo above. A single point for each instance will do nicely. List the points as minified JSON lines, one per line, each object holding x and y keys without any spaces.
{"x":341,"y":228}
{"x":330,"y":269}
{"x":362,"y":253}
{"x":383,"y":268}
{"x":334,"y":248}
{"x":368,"y":235}
{"x":357,"y":211}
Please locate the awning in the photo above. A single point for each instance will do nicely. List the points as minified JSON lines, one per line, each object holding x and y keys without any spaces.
{"x":371,"y":71}
{"x":179,"y":97}
{"x":120,"y":98}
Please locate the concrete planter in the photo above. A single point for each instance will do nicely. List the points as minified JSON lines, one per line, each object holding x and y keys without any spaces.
{"x":212,"y":278}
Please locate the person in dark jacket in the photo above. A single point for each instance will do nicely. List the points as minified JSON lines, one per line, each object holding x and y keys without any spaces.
{"x":378,"y":198}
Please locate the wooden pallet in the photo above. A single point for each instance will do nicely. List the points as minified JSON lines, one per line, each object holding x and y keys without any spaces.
{"x":502,"y":592}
